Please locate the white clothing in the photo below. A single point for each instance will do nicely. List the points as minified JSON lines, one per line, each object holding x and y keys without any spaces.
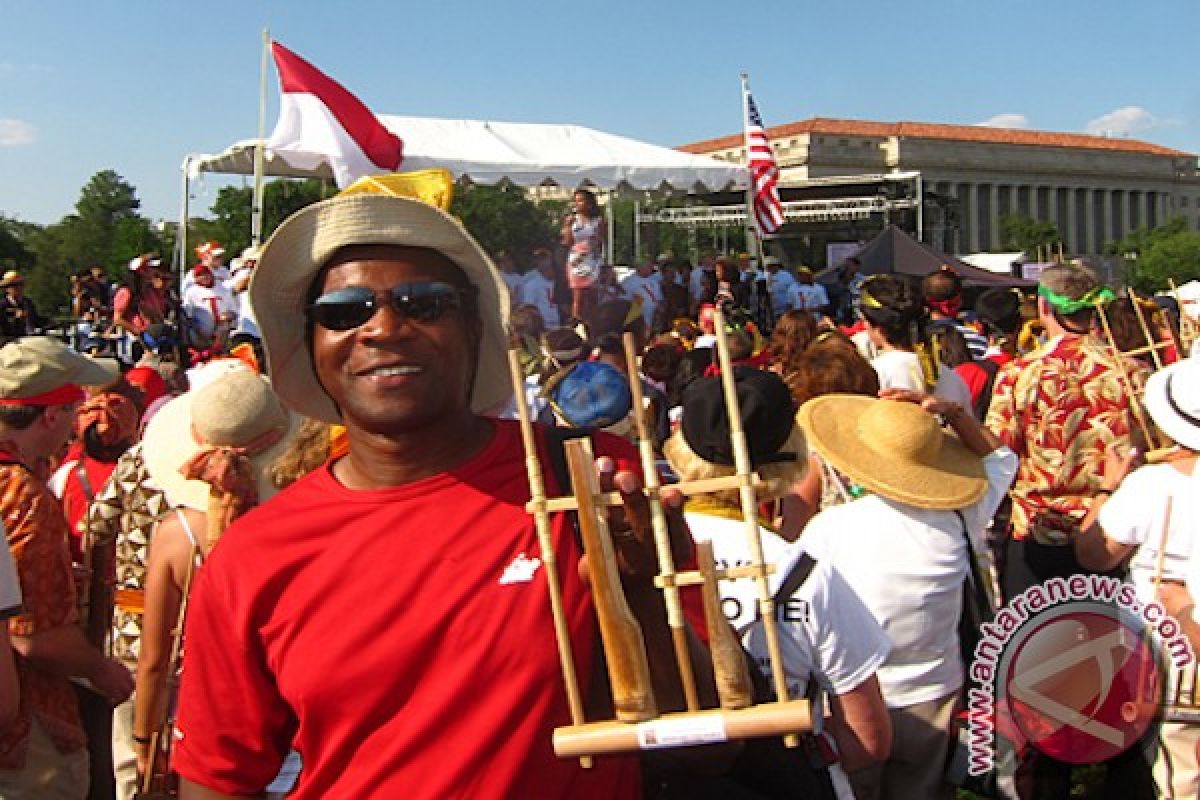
{"x":649,"y":289}
{"x":10,"y":584}
{"x":780,"y":284}
{"x":199,"y":304}
{"x":514,"y":281}
{"x":537,"y":290}
{"x":900,"y":369}
{"x":826,"y":632}
{"x":246,"y":322}
{"x":908,"y":565}
{"x":220,"y":278}
{"x":1134,"y":515}
{"x":808,"y":297}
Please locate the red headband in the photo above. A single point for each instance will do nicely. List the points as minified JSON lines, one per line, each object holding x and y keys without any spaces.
{"x":950,"y":306}
{"x":67,"y":393}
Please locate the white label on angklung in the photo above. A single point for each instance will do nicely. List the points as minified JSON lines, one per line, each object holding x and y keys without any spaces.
{"x":681,"y":731}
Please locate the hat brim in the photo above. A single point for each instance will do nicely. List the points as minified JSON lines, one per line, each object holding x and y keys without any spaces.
{"x":831,"y":423}
{"x":1158,"y":406}
{"x":168,"y":443}
{"x":306,"y":241}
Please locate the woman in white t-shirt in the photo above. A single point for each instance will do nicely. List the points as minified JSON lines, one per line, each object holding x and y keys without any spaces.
{"x":829,"y":639}
{"x":905,"y":549}
{"x":894,"y":312}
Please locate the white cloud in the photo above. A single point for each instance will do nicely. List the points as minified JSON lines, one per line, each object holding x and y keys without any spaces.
{"x":14,"y":132}
{"x":1125,"y":121}
{"x":1005,"y":121}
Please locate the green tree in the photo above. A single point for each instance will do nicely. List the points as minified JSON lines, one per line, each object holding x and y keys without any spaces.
{"x":503,"y":218}
{"x":232,"y":219}
{"x":1155,"y":256}
{"x":14,"y":252}
{"x":1024,"y":233}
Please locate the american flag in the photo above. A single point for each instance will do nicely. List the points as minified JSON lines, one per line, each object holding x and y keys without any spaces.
{"x":768,"y":211}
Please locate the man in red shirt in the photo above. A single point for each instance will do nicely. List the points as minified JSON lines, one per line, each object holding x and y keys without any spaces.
{"x":387,"y":616}
{"x":42,"y":753}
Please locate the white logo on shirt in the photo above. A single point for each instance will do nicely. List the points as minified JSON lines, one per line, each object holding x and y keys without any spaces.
{"x":521,"y":570}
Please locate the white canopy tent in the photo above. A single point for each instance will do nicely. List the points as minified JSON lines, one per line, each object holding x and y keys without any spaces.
{"x":524,"y":154}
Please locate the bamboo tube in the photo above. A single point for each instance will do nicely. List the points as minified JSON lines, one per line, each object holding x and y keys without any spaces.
{"x":662,"y":536}
{"x":729,"y":660}
{"x":742,"y":467}
{"x":620,"y":633}
{"x":1135,"y":403}
{"x":1151,"y":340}
{"x":614,"y":500}
{"x":687,"y":728}
{"x":541,"y":519}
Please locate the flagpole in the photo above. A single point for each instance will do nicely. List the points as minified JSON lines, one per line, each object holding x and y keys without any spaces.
{"x":753,"y":243}
{"x":256,"y":208}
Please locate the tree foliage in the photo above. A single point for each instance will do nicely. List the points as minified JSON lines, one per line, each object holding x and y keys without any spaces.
{"x":1024,"y":233}
{"x":232,"y":218}
{"x":1154,"y":256}
{"x":503,"y":218}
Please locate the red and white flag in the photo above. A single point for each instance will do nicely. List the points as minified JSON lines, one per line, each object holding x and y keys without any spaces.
{"x":764,"y":191}
{"x":319,"y":121}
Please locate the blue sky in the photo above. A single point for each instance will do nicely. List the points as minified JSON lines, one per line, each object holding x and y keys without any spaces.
{"x":134,"y":85}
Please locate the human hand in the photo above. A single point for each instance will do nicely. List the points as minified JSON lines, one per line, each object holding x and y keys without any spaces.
{"x":113,"y":680}
{"x":1118,"y":464}
{"x":1175,"y":598}
{"x":903,"y":395}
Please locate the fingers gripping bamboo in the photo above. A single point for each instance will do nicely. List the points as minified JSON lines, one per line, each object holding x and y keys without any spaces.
{"x":662,"y":536}
{"x":729,"y":663}
{"x":741,"y":459}
{"x":620,"y":633}
{"x":541,"y":518}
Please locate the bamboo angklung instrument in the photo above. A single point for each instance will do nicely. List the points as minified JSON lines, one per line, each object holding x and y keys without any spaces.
{"x":745,"y":473}
{"x":1152,"y":343}
{"x":1187,"y":326}
{"x":729,"y":664}
{"x":662,"y":538}
{"x":541,"y":519}
{"x":1135,"y":402}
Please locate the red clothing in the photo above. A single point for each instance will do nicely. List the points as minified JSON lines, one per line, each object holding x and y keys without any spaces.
{"x":37,"y":537}
{"x":75,"y":500}
{"x":975,"y":377}
{"x":394,"y":637}
{"x":151,"y":307}
{"x":1001,"y":357}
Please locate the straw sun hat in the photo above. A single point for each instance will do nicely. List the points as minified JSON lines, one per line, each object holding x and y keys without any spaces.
{"x":237,"y":409}
{"x":307,"y":240}
{"x":895,"y":449}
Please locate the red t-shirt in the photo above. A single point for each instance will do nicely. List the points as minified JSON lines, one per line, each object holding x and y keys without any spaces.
{"x":396,"y":638}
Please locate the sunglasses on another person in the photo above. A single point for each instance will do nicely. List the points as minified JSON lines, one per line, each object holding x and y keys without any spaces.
{"x":348,"y":308}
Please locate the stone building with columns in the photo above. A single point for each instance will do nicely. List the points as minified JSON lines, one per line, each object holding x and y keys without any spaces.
{"x":1095,"y":189}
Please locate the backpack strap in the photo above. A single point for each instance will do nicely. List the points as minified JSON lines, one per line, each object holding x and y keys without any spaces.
{"x":796,"y":577}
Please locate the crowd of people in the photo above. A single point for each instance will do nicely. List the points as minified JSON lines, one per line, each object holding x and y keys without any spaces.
{"x":313,"y":460}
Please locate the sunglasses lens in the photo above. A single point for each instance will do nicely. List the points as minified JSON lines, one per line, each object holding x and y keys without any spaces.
{"x":424,"y":302}
{"x":344,"y":309}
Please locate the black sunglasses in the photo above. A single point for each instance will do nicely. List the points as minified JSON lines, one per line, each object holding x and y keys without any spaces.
{"x":346,"y":309}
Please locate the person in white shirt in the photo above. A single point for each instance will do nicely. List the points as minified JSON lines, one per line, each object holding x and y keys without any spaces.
{"x":895,"y":317}
{"x":644,"y":284}
{"x":779,"y":286}
{"x":1152,"y":517}
{"x":829,"y":637}
{"x":805,"y":295}
{"x":537,"y":289}
{"x":209,"y":307}
{"x":696,"y":280}
{"x":514,"y":279}
{"x":905,"y":548}
{"x":239,"y":281}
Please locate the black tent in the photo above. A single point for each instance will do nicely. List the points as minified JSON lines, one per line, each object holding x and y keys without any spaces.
{"x":895,"y":252}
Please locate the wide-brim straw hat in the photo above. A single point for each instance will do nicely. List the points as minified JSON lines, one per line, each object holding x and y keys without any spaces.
{"x":1172,"y":399}
{"x":306,"y":241}
{"x":234,"y":409}
{"x":895,"y":449}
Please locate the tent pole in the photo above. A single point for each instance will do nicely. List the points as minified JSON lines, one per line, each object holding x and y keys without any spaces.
{"x":181,"y":237}
{"x":608,"y":212}
{"x":256,"y":209}
{"x":637,"y":231}
{"x":920,"y":209}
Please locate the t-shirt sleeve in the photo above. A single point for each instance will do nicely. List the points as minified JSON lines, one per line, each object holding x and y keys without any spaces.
{"x":1123,"y":517}
{"x":850,"y":643}
{"x":10,"y":584}
{"x":233,"y":728}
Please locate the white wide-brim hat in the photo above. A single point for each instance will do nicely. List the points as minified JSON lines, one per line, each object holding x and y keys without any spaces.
{"x":307,"y":240}
{"x":235,"y":409}
{"x":1172,"y":399}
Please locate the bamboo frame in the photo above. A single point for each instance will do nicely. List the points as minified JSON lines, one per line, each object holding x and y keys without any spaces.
{"x":1188,"y":328}
{"x":736,"y":719}
{"x":1133,"y":390}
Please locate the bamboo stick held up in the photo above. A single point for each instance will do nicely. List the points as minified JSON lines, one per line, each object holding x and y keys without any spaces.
{"x":620,"y":633}
{"x":729,"y":661}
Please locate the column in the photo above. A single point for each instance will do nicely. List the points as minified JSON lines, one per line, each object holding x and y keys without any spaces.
{"x":972,"y":231}
{"x":1126,"y":223}
{"x":1071,"y":234}
{"x":1108,"y":231}
{"x":1090,"y":245}
{"x":1035,"y":209}
{"x":993,"y":239}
